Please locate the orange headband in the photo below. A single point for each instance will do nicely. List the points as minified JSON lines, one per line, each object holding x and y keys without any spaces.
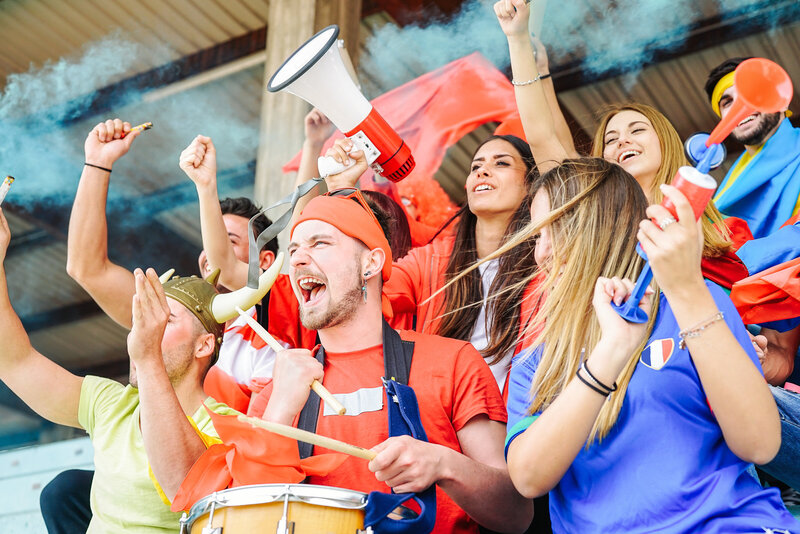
{"x":352,"y":219}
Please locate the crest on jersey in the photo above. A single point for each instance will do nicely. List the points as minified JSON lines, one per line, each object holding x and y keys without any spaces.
{"x":656,"y":354}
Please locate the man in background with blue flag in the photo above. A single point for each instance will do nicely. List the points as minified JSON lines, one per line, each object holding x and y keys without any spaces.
{"x":763,"y":186}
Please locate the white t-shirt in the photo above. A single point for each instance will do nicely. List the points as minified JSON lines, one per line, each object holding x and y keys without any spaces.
{"x":243,"y":354}
{"x":480,"y":334}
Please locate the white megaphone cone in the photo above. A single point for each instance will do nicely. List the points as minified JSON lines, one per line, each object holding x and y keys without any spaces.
{"x":315,"y":72}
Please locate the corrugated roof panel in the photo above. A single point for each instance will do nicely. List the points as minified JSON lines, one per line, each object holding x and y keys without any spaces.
{"x":38,"y":280}
{"x":37,"y":31}
{"x":675,"y":87}
{"x":84,"y":343}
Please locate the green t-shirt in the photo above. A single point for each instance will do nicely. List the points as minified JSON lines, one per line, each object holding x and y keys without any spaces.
{"x":123,"y":496}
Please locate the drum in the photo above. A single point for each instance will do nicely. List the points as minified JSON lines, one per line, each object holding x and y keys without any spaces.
{"x":281,"y":509}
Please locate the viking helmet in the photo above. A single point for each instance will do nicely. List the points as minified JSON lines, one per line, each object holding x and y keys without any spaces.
{"x":212,"y":309}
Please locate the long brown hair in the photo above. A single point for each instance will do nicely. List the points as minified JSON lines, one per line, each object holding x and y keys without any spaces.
{"x":716,"y":239}
{"x":596,"y":207}
{"x":463,"y":298}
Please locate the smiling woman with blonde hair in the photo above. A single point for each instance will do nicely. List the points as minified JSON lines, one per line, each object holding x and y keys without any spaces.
{"x":716,"y":235}
{"x":635,"y":427}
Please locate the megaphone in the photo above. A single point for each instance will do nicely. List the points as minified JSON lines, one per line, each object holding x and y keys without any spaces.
{"x":315,"y":72}
{"x":761,"y":85}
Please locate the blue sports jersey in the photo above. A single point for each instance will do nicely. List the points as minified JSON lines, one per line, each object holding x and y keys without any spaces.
{"x":665,"y":466}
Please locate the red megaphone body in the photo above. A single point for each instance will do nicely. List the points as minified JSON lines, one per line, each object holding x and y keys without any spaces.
{"x":761,"y":85}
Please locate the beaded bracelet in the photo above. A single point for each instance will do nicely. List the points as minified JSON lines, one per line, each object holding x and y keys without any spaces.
{"x":528,"y":82}
{"x":696,"y":330}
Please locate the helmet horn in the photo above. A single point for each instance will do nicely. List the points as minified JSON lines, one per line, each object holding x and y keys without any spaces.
{"x":166,"y":276}
{"x":224,"y":306}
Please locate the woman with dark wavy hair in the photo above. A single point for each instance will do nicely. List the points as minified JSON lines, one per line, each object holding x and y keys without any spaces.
{"x":498,"y":203}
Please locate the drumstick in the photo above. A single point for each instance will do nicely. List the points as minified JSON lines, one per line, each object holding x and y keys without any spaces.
{"x":309,"y":437}
{"x":318,"y":388}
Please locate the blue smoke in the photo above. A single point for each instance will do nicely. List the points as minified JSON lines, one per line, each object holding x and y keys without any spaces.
{"x":622,"y":36}
{"x":46,"y":113}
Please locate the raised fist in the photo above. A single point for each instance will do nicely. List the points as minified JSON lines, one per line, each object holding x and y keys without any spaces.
{"x":108,"y":141}
{"x":199,"y":161}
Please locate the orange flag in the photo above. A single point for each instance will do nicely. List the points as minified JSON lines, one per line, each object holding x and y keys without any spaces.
{"x":248,"y":456}
{"x":771,"y":295}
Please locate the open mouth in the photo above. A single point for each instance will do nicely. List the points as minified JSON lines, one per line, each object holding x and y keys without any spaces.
{"x":628,"y":154}
{"x":482,"y":187}
{"x":312,"y":289}
{"x":747,"y":119}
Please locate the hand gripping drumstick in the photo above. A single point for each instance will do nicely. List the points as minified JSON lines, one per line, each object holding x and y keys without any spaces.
{"x":309,"y":437}
{"x":318,"y":388}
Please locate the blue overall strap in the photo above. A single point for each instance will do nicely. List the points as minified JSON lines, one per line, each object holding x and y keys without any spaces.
{"x":404,"y":420}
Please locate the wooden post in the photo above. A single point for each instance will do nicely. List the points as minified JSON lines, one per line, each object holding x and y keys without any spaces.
{"x":291,"y":23}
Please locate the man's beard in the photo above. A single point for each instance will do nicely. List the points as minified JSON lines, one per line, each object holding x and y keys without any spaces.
{"x":177,"y":363}
{"x":337,"y":312}
{"x":767,"y":123}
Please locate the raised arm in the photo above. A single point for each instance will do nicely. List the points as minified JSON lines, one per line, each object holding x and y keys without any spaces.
{"x":318,"y":128}
{"x":171,"y":443}
{"x":559,"y":121}
{"x":49,"y":389}
{"x":736,"y":390}
{"x":109,"y":284}
{"x":541,"y":130}
{"x":199,"y":162}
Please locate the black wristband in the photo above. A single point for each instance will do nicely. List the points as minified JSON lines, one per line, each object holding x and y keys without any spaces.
{"x":544,"y":76}
{"x":609,"y":389}
{"x":590,"y":385}
{"x":96,"y":166}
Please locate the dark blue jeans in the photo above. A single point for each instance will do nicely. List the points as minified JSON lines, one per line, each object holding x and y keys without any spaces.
{"x":65,"y":502}
{"x":786,"y":465}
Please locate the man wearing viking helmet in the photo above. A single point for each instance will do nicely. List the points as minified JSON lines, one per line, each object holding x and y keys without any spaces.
{"x":148,"y":434}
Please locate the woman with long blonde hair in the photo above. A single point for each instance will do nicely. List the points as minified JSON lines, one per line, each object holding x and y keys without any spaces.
{"x":635,"y":427}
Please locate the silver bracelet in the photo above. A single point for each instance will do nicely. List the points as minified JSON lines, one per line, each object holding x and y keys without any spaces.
{"x":696,"y":330}
{"x":534,"y":80}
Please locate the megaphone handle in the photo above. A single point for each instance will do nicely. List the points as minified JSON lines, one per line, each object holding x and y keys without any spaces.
{"x":328,"y":166}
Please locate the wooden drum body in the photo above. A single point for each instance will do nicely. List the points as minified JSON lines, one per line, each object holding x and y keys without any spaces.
{"x":280,"y":509}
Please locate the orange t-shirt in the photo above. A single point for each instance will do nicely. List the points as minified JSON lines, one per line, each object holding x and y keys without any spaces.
{"x":453,"y":384}
{"x":284,"y":316}
{"x":417,"y":276}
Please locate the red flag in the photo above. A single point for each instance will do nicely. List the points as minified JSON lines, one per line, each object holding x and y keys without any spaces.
{"x":771,"y":295}
{"x":248,"y":455}
{"x":793,"y":220}
{"x":740,"y":232}
{"x":434,"y":111}
{"x":724,"y":270}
